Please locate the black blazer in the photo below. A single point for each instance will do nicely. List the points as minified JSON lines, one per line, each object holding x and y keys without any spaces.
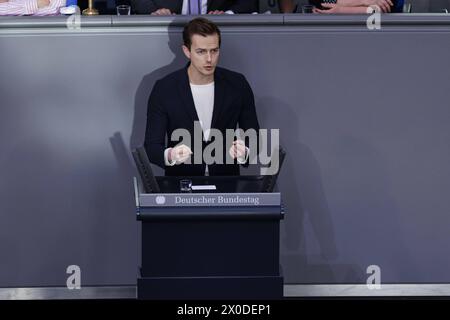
{"x":237,"y":6}
{"x":171,"y":106}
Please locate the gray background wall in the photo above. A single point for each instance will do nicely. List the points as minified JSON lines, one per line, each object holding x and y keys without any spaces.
{"x":363,"y":115}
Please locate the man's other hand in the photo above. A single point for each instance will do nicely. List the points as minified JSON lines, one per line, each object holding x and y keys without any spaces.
{"x":179,"y":154}
{"x":238,"y":151}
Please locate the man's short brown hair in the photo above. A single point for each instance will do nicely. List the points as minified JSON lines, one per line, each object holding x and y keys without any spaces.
{"x":201,"y":26}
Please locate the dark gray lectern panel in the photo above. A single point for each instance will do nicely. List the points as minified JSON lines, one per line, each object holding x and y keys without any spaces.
{"x":363,"y":117}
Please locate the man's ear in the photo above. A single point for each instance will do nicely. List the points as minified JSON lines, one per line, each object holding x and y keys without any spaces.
{"x":187,"y":52}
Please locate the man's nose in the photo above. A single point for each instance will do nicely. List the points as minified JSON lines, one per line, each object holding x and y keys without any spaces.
{"x":209,"y":56}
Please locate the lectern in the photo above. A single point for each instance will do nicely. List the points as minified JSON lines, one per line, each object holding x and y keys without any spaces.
{"x":221,"y":244}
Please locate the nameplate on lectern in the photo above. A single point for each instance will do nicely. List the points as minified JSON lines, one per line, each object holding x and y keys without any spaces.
{"x":208,"y":199}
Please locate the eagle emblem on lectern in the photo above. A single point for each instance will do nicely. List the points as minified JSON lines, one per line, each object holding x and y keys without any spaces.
{"x":160,"y":200}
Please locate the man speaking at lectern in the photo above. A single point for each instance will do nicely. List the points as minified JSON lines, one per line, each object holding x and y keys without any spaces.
{"x":200,"y":96}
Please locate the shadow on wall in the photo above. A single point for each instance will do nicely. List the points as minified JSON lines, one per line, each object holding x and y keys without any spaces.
{"x":368,"y":225}
{"x":146,"y":85}
{"x":306,"y":205}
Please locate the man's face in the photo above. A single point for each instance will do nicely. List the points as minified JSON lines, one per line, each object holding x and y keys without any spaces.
{"x":204,"y":53}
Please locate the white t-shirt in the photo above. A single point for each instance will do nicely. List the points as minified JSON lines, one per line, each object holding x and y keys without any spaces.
{"x":204,"y":105}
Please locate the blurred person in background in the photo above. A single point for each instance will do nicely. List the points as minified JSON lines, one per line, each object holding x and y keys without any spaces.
{"x":193,"y":7}
{"x":345,"y":6}
{"x":30,"y":7}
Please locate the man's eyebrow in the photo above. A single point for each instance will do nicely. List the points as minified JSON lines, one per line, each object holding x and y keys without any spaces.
{"x":216,"y":48}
